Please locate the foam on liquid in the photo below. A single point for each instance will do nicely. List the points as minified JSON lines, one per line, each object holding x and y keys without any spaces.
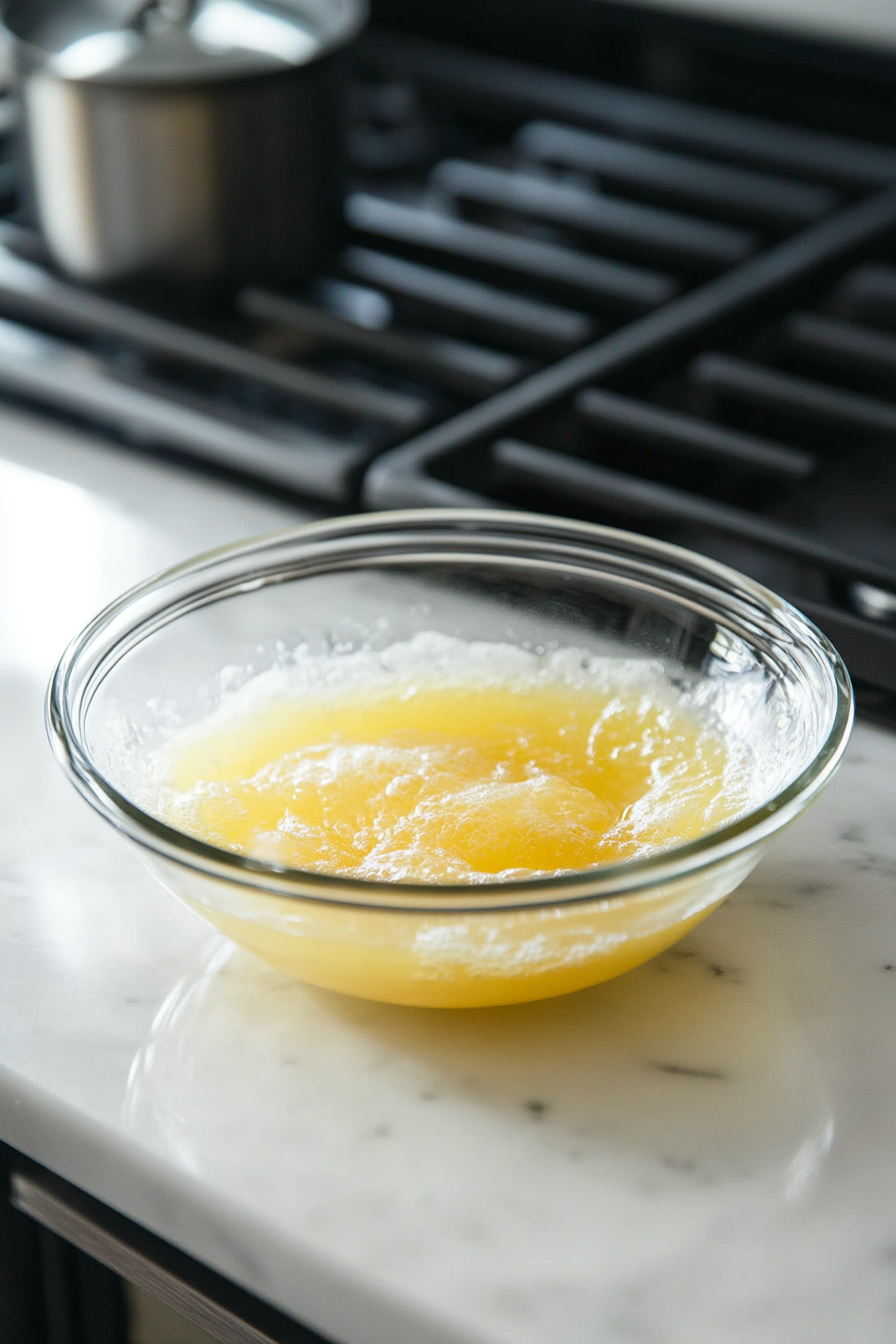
{"x":442,"y":761}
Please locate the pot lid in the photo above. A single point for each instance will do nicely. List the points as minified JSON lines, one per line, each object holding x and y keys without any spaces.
{"x":179,"y":41}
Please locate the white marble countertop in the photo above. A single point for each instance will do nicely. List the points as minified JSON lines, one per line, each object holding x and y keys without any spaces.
{"x":703,"y":1152}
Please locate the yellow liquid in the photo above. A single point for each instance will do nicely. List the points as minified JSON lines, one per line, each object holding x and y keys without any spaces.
{"x":448,"y":781}
{"x":453,"y":783}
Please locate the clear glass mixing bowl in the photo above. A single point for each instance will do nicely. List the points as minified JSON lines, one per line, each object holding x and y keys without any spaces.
{"x":163,"y":655}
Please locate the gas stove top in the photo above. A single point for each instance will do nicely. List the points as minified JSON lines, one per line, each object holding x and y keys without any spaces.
{"x":554,"y":292}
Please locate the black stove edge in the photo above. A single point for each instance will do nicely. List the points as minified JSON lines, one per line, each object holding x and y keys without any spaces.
{"x":634,"y":41}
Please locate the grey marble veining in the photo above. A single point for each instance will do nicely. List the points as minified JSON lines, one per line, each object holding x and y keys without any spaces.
{"x":702,"y":1152}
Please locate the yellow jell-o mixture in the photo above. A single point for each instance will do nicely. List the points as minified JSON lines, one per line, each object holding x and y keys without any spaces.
{"x":474,"y":764}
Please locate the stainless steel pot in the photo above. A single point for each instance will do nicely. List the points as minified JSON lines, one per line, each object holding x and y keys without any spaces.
{"x":189,"y":143}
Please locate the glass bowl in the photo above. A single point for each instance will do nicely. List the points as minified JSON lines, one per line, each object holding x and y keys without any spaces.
{"x":163,"y":656}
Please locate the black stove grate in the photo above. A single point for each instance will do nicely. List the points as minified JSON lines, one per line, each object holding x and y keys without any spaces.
{"x":754,"y":420}
{"x":500,"y":218}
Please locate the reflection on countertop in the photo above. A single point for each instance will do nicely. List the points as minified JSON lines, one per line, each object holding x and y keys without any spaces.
{"x":543,"y":1156}
{"x":693,"y":1064}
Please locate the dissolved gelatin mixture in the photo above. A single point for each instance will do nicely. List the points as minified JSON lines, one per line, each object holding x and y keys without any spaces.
{"x":441,"y":761}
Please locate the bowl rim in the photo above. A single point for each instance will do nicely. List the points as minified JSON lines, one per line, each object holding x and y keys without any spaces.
{"x":609,"y":882}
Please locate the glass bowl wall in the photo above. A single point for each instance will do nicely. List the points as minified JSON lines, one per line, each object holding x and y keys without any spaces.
{"x":164,"y":655}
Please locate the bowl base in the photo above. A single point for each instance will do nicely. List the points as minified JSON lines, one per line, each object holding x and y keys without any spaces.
{"x":407,"y":980}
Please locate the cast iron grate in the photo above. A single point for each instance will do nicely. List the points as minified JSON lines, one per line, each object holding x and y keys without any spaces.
{"x":755,"y":422}
{"x":500,"y":218}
